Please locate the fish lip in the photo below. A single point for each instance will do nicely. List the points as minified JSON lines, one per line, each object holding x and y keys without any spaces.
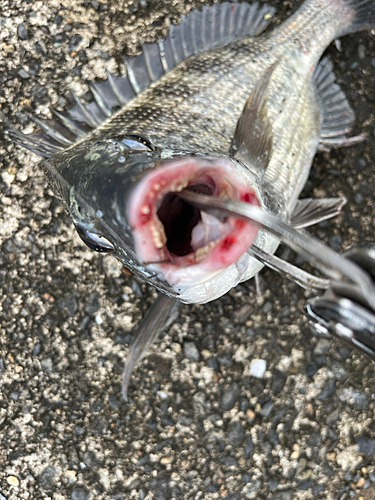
{"x":148,"y":231}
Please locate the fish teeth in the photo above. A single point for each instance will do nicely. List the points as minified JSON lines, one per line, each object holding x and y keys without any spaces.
{"x":158,"y":235}
{"x":145,"y":210}
{"x":202,"y":252}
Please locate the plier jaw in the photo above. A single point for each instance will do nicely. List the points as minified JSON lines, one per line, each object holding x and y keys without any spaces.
{"x":345,"y":312}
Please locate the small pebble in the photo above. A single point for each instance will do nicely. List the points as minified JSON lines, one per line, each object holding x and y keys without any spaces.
{"x":79,"y":493}
{"x":75,"y":41}
{"x":328,"y":390}
{"x":366,"y":445}
{"x":322,"y":347}
{"x":12,"y":481}
{"x":23,"y":74}
{"x":176,"y":347}
{"x":236,"y":433}
{"x":162,"y":395}
{"x":266,"y":409}
{"x":191,"y":351}
{"x":98,"y":320}
{"x":333,"y":417}
{"x":71,"y":476}
{"x":23,"y":34}
{"x":258,"y":368}
{"x":278,"y":381}
{"x":361,"y":51}
{"x":230,"y":397}
{"x":59,"y":38}
{"x":225,"y":359}
{"x":95,"y":4}
{"x":47,"y":364}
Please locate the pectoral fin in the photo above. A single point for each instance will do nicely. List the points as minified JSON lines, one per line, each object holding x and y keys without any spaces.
{"x":252,"y":141}
{"x":312,"y":210}
{"x":157,"y":318}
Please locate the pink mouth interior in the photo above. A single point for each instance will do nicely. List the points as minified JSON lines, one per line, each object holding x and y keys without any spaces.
{"x":171,"y":232}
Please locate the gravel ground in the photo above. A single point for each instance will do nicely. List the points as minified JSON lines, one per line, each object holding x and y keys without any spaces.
{"x":200,"y":424}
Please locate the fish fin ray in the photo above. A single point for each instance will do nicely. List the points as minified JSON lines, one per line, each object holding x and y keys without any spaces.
{"x":341,"y":141}
{"x":212,"y":27}
{"x":290,"y":271}
{"x":364,"y":16}
{"x":252,"y":141}
{"x":121,"y":88}
{"x":52,"y":132}
{"x":68,"y":122}
{"x":88,"y":117}
{"x":40,"y":143}
{"x":338,"y":116}
{"x":159,"y":316}
{"x":310,"y":211}
{"x":100,"y":102}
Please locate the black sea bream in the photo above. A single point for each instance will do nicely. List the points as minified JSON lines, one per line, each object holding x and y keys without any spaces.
{"x":215,"y":109}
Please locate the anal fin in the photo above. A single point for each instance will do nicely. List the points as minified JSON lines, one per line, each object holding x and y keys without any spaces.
{"x":310,"y":211}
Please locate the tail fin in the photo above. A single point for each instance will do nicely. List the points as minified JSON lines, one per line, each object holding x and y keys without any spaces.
{"x":364,"y":11}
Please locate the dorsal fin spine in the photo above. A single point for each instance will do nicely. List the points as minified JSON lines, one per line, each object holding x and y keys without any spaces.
{"x":116,"y":91}
{"x":69,"y":124}
{"x":131,"y":77}
{"x":90,"y":119}
{"x":100,"y":102}
{"x":150,"y":73}
{"x":173,"y":46}
{"x":214,"y":26}
{"x":162,"y":55}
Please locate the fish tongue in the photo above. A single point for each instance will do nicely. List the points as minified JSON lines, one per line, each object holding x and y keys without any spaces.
{"x":208,"y":229}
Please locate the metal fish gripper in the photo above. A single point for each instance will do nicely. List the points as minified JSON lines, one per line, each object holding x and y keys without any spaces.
{"x":345,"y":312}
{"x":347,"y":308}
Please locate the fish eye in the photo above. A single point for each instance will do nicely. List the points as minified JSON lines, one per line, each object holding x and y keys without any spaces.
{"x":136,"y":143}
{"x":95,"y":241}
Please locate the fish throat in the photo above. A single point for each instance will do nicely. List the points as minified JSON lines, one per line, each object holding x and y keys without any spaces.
{"x":171,"y":232}
{"x":181,"y":220}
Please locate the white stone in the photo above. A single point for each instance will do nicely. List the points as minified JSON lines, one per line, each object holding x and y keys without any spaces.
{"x":258,"y":368}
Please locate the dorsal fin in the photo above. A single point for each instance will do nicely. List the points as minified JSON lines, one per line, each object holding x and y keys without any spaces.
{"x":199,"y":31}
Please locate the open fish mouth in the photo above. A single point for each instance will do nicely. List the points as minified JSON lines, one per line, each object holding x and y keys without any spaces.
{"x":172,"y":234}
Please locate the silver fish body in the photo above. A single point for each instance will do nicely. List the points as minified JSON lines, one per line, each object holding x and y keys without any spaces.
{"x":187,"y":122}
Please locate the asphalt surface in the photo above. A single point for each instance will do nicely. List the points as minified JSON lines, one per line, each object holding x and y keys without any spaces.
{"x":200,"y":424}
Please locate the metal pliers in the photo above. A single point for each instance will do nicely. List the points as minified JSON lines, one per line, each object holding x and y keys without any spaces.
{"x":347,"y":308}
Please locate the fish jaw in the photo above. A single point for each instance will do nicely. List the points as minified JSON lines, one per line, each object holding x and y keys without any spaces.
{"x":203,"y":246}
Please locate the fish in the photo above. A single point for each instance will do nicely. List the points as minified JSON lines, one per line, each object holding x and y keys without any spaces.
{"x":219,"y":108}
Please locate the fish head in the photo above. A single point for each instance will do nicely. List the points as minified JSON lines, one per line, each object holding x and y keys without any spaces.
{"x":126,"y":201}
